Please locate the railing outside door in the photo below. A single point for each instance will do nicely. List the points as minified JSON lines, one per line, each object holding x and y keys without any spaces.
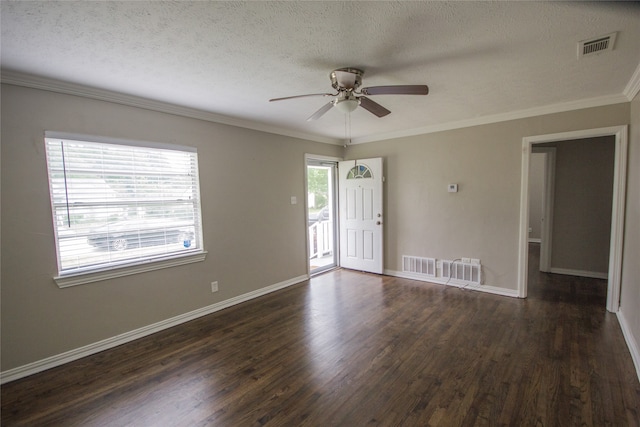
{"x":320,"y":239}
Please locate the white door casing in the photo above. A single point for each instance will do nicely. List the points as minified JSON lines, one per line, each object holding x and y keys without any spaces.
{"x":361,"y":216}
{"x":327,"y":229}
{"x":618,"y":206}
{"x":547,"y":224}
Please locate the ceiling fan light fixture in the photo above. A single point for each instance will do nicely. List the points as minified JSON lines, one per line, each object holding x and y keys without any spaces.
{"x":346,"y":106}
{"x":347,"y":98}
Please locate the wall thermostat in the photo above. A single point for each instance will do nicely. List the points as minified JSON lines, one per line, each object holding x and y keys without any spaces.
{"x":452,"y":188}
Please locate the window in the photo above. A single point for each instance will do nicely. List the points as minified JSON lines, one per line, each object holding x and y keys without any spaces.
{"x":359,"y":172}
{"x":119,"y":205}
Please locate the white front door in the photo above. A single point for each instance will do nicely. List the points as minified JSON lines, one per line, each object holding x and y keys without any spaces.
{"x":361,"y":219}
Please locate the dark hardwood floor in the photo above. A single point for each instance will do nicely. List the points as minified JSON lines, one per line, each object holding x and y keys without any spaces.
{"x":353,"y":349}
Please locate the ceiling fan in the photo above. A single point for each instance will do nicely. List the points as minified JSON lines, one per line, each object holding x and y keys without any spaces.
{"x":346,"y":82}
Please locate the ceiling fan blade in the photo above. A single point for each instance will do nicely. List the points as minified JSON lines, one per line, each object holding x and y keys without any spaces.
{"x":396,"y":90}
{"x":373,"y":107}
{"x":320,"y":112}
{"x":303,"y":96}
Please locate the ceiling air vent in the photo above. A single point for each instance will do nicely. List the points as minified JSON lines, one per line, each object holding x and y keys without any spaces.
{"x":597,"y":45}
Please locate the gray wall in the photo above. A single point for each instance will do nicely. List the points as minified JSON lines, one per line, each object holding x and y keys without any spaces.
{"x":254,"y":236}
{"x":536,"y":193}
{"x":582,"y":204}
{"x":482,"y":219}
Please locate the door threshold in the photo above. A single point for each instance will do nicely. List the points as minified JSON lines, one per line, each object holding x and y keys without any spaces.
{"x":317,"y":273}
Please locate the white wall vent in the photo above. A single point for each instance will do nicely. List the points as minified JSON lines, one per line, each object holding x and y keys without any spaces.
{"x":465,"y":272}
{"x":424,"y":266}
{"x":597,"y":45}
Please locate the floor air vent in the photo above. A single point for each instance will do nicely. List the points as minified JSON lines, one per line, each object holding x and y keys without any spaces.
{"x":597,"y":45}
{"x":424,"y":266}
{"x":465,"y":272}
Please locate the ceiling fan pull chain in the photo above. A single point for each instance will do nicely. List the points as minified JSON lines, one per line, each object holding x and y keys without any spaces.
{"x":349,"y":115}
{"x":347,"y":129}
{"x":346,"y":135}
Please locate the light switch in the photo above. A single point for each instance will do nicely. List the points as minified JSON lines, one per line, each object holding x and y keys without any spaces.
{"x":294,"y":200}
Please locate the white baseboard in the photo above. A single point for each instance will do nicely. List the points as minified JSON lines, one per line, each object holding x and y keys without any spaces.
{"x":78,"y":353}
{"x":535,"y":240}
{"x":580,"y":273}
{"x":440,"y":281}
{"x":631,"y":341}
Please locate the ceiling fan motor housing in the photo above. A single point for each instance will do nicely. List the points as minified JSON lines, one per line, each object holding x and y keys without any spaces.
{"x":346,"y":79}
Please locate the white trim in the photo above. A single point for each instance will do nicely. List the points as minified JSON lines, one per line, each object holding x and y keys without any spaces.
{"x":87,"y":350}
{"x":336,"y":241}
{"x":108,"y":140}
{"x":43,"y":83}
{"x":321,"y":158}
{"x":535,"y":240}
{"x":440,"y":281}
{"x":580,"y":273}
{"x":96,"y":276}
{"x":633,"y":87}
{"x":496,"y":118}
{"x":631,"y":342}
{"x":306,"y":213}
{"x":617,"y":209}
{"x":617,"y":219}
{"x":548,"y":200}
{"x":523,"y":235}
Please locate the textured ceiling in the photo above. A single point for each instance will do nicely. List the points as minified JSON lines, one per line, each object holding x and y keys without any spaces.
{"x":480,"y":59}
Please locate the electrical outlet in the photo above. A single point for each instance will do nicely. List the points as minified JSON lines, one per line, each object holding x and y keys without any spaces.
{"x":214,"y":286}
{"x":466,"y":260}
{"x":475,"y":261}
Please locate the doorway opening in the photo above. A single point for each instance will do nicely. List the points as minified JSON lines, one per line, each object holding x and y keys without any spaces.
{"x":321,"y":214}
{"x":570,"y":199}
{"x":617,"y":205}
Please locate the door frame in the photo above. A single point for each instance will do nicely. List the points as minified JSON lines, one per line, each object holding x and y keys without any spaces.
{"x":336,"y":221}
{"x":620,"y":133}
{"x":546,"y":234}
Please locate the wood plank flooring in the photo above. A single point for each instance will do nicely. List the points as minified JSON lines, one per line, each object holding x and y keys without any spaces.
{"x":353,"y":349}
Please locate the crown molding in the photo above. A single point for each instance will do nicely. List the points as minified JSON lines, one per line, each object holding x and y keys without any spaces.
{"x":52,"y":85}
{"x":633,"y":87}
{"x":501,"y":117}
{"x":37,"y":82}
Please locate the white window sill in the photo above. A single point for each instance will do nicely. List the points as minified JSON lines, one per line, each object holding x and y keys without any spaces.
{"x":69,"y":280}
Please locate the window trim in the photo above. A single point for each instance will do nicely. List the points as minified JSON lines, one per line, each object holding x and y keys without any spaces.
{"x":117,"y":141}
{"x":69,"y":279}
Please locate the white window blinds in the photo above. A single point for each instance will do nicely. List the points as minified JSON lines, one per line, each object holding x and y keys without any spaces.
{"x":117,"y":205}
